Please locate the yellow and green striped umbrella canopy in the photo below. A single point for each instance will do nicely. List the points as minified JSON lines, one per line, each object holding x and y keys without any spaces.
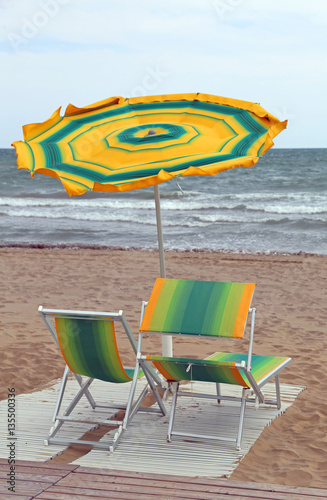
{"x":106,"y":146}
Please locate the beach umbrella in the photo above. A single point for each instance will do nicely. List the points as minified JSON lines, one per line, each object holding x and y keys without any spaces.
{"x":122,"y":144}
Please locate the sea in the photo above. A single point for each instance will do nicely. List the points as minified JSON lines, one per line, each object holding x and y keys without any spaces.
{"x":277,"y":206}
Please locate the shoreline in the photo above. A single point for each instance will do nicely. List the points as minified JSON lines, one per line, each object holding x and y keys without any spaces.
{"x":82,"y":246}
{"x":290,"y":299}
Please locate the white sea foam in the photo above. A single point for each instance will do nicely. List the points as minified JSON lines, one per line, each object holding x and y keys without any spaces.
{"x":299,"y":204}
{"x":280,"y":204}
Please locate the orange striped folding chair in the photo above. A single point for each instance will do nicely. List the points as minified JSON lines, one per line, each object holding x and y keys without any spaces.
{"x":210,"y":309}
{"x":87,"y":341}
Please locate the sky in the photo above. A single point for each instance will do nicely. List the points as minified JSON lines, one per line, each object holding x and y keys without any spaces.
{"x":55,"y":52}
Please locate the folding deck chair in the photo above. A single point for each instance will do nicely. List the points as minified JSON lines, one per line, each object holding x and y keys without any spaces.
{"x":209,"y":309}
{"x":87,"y":341}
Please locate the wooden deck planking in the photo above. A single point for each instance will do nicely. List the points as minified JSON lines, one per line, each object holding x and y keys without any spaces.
{"x":142,"y":489}
{"x":192,"y":482}
{"x":56,"y":481}
{"x":31,"y":478}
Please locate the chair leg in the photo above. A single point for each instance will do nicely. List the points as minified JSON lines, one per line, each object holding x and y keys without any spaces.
{"x":87,"y":393}
{"x":241,"y":421}
{"x":131,"y":395}
{"x":278,"y":392}
{"x":138,"y":403}
{"x":172,"y":414}
{"x":61,"y":393}
{"x":59,"y":423}
{"x":78,"y":396}
{"x":154,"y":390}
{"x":130,"y":409}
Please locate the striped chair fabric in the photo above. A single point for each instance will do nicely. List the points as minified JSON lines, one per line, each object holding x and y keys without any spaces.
{"x":198,"y":308}
{"x":219,"y":368}
{"x":89,"y":348}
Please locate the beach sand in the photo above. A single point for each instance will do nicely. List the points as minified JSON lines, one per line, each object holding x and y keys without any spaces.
{"x":291,"y":316}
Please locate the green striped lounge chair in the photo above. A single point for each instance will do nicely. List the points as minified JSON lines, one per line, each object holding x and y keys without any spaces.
{"x":87,"y":341}
{"x":209,"y":309}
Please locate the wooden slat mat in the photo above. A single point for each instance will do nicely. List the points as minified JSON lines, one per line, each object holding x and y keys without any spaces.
{"x":34,"y":417}
{"x":146,"y":436}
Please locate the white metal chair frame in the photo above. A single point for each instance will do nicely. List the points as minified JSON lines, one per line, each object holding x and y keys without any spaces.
{"x":131,"y":407}
{"x":247,"y":393}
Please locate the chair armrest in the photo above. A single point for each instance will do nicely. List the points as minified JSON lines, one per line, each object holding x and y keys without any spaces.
{"x":194,"y":361}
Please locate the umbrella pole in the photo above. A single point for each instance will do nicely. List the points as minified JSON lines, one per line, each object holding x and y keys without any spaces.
{"x":167,"y":341}
{"x":159,"y":229}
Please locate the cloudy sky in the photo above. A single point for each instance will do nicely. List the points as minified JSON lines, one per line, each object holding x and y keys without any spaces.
{"x":58,"y":51}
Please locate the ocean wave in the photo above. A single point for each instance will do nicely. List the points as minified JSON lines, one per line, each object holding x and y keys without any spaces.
{"x":291,"y":203}
{"x":74,"y":203}
{"x":78,"y":216}
{"x":187,"y":221}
